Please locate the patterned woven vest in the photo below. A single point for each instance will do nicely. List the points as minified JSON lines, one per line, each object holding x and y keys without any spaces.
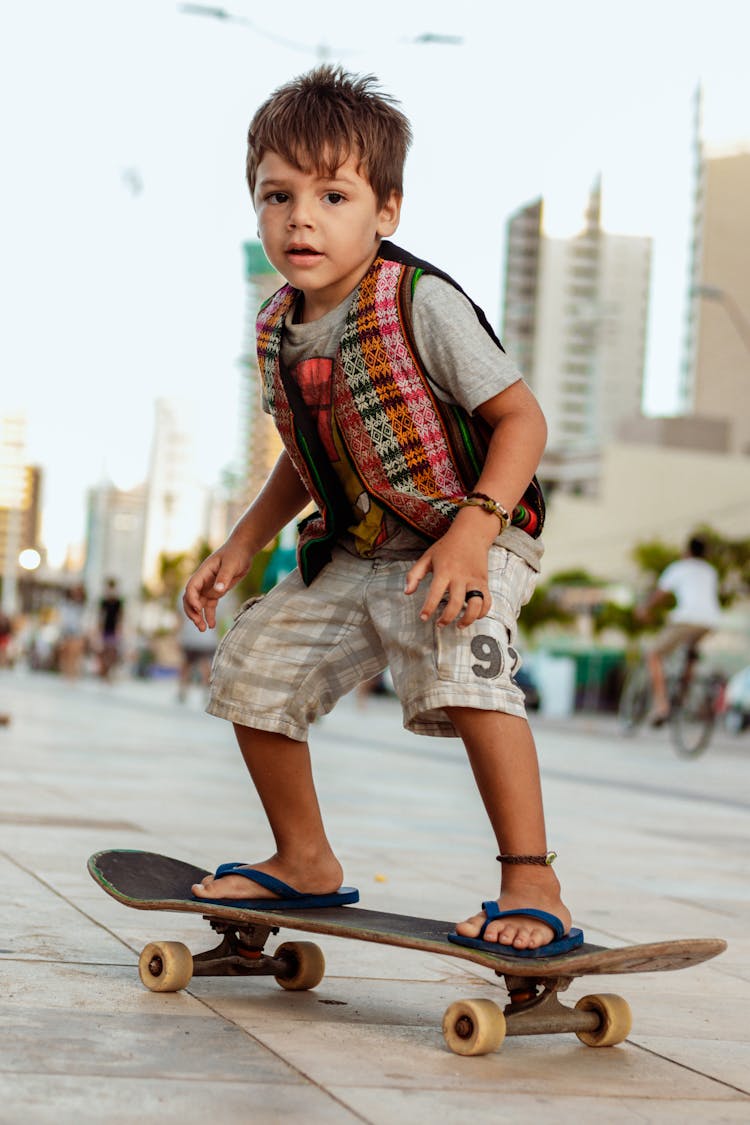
{"x":416,"y":455}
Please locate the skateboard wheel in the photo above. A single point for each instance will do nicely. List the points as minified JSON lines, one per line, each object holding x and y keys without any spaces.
{"x":615,"y":1018}
{"x":166,"y":966}
{"x":307,"y":965}
{"x":473,"y":1027}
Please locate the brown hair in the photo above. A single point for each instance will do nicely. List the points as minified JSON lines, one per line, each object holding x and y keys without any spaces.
{"x":318,"y":120}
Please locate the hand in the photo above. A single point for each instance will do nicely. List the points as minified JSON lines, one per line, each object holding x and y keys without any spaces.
{"x":211,"y":581}
{"x":458,"y":563}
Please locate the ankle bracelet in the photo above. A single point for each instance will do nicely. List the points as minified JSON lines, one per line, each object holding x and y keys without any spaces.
{"x":545,"y":860}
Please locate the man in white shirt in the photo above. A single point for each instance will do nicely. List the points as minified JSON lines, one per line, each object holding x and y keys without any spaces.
{"x":693,"y":583}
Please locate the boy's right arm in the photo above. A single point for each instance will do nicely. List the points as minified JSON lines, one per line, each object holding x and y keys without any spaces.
{"x":282,"y":497}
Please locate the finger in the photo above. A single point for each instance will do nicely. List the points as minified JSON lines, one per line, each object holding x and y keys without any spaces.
{"x":414,"y":576}
{"x":223,"y":583}
{"x":475,"y":608}
{"x":435,"y":594}
{"x":192,"y":605}
{"x":452,"y":608}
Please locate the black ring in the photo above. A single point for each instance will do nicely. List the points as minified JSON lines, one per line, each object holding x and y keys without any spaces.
{"x":474,"y":594}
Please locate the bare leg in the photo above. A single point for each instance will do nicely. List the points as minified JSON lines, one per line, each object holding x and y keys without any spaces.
{"x":658,"y":685}
{"x":503,"y":759}
{"x":282,"y":772}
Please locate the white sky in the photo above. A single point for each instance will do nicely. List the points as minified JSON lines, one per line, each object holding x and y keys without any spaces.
{"x":111,"y":298}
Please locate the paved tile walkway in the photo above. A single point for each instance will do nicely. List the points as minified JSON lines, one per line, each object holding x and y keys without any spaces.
{"x":651,"y":847}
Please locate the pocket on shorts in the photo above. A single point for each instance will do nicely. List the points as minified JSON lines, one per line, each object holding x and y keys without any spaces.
{"x":244,"y":608}
{"x":484,"y":654}
{"x":481,"y":655}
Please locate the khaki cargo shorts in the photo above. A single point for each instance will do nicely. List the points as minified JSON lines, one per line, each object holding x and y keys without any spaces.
{"x":291,"y":654}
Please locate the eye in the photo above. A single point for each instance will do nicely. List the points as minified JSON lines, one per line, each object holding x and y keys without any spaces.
{"x":334,"y":197}
{"x":277,"y":197}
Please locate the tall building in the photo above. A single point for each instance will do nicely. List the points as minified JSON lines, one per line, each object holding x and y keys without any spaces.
{"x":716,"y":367}
{"x":574,"y":319}
{"x":261,"y":444}
{"x":115,"y":532}
{"x":524,"y":244}
{"x":19,"y":504}
{"x":176,"y":502}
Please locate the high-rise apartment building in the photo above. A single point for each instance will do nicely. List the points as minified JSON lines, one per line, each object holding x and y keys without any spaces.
{"x":716,"y":367}
{"x":176,"y":502}
{"x":115,"y":533}
{"x":575,"y":318}
{"x":261,"y":444}
{"x":19,"y":504}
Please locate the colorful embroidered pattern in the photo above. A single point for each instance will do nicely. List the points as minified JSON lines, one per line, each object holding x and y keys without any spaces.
{"x":414,"y":454}
{"x":387,"y":414}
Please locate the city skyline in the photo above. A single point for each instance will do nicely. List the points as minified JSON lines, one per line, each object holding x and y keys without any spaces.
{"x":127,"y":209}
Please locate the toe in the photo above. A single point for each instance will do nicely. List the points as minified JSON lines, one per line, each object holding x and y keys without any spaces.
{"x":471,"y":927}
{"x":510,"y":935}
{"x":206,"y":888}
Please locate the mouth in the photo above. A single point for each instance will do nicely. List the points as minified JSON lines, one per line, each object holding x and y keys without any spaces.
{"x":302,"y":251}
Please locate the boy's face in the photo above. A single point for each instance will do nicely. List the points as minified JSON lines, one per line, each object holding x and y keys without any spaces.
{"x":320,"y":233}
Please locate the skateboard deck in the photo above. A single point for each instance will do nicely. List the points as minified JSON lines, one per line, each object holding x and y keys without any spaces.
{"x":147,"y":881}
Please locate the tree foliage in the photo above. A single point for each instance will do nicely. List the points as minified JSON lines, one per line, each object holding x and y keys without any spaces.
{"x":544,"y":609}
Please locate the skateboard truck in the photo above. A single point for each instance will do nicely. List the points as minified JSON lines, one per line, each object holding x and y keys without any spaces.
{"x":240,"y":953}
{"x":168,"y":966}
{"x":535,"y":1009}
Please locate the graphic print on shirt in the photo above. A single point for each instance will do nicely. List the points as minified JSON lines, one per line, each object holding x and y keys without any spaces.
{"x":314,"y":377}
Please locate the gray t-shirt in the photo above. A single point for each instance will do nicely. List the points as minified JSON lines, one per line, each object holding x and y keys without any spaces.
{"x":465,"y":368}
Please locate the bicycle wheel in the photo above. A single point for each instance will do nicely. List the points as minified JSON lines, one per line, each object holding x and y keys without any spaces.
{"x":693,"y":720}
{"x":634,"y":699}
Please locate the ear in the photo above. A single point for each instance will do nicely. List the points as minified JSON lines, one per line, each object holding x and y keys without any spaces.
{"x":389,"y":215}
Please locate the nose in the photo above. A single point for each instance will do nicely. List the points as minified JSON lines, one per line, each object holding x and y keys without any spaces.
{"x":300,"y":214}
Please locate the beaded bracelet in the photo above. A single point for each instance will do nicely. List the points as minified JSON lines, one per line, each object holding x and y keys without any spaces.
{"x":481,"y":500}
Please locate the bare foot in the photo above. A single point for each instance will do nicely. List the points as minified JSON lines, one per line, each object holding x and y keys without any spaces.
{"x":319,"y":877}
{"x":539,"y":891}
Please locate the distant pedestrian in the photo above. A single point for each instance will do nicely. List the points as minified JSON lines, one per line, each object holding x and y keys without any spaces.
{"x":72,"y":643}
{"x":6,"y":638}
{"x":110,"y":629}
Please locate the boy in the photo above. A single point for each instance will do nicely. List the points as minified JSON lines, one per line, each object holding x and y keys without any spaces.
{"x":418,"y":441}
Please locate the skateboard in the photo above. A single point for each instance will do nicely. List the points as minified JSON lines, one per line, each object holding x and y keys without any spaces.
{"x":470,"y":1027}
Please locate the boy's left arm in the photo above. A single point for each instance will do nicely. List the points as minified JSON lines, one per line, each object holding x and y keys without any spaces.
{"x":458,"y":560}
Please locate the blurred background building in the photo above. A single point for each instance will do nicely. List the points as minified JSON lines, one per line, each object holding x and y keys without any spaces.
{"x":20,"y":486}
{"x":574,"y":319}
{"x":716,"y":367}
{"x":176,"y":502}
{"x":115,"y":538}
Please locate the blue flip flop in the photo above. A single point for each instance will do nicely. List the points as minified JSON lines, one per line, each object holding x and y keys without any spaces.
{"x":289,"y":898}
{"x":563,"y":942}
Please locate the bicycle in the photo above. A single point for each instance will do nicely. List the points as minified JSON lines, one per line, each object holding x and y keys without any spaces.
{"x":694,"y":703}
